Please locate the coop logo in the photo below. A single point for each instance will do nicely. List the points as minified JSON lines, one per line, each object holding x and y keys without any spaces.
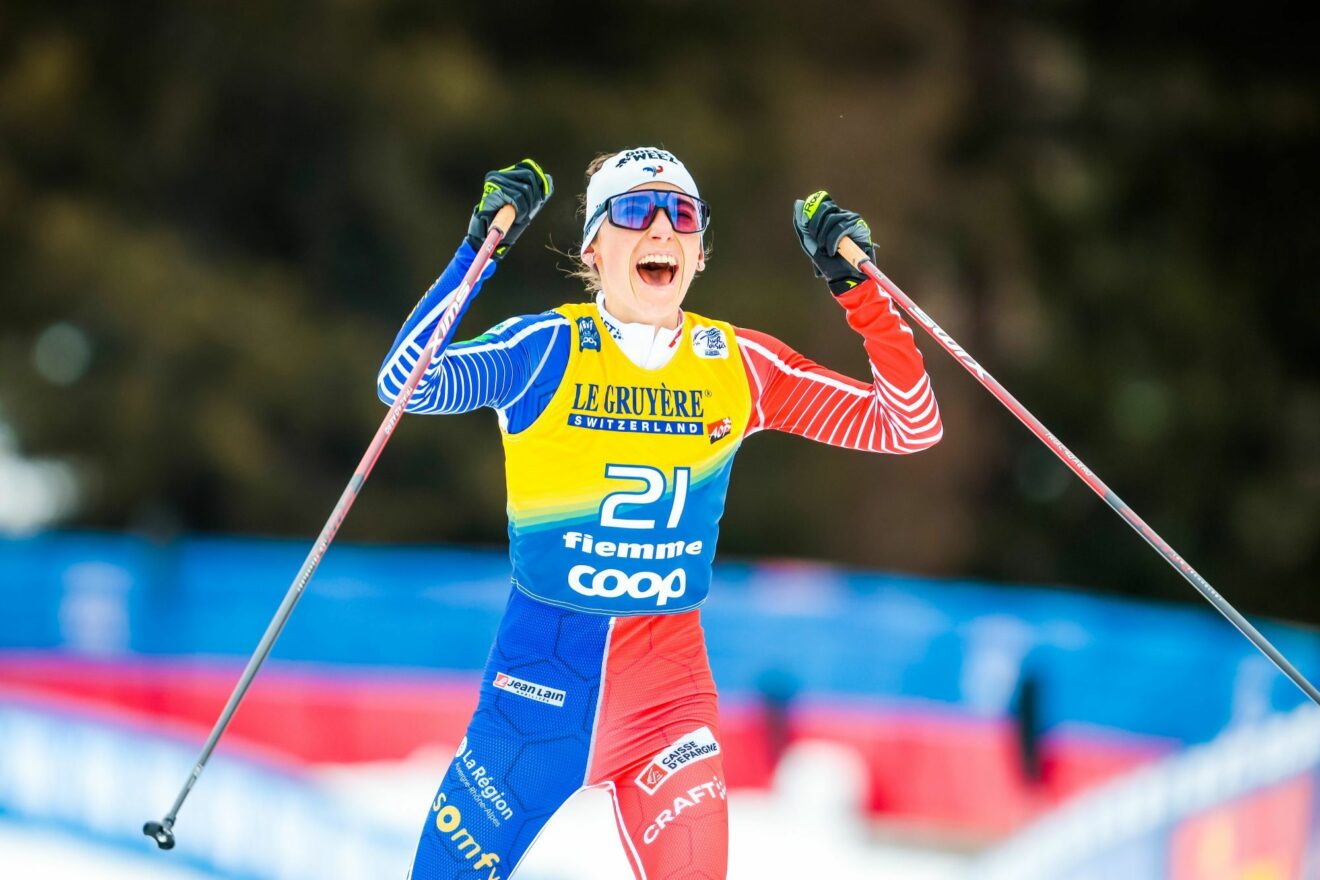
{"x":449,"y":822}
{"x":481,"y":784}
{"x":713,"y":790}
{"x":698,"y":745}
{"x":610,"y":583}
{"x":530,"y":690}
{"x":653,"y":170}
{"x":719,"y":430}
{"x":709,"y":342}
{"x":588,"y":335}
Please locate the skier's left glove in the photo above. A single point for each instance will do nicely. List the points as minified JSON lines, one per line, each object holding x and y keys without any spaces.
{"x":523,"y":185}
{"x":821,"y":225}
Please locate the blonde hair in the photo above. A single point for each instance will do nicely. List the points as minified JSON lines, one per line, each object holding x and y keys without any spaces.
{"x":587,"y":273}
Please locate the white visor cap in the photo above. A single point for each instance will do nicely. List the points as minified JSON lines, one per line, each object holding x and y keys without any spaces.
{"x":627,"y":169}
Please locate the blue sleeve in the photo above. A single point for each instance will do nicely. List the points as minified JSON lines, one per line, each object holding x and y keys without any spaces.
{"x":421,"y":323}
{"x":513,"y":368}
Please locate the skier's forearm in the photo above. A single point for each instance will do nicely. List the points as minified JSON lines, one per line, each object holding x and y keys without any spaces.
{"x":416,"y":331}
{"x":901,"y":383}
{"x":896,"y":413}
{"x":889,"y":342}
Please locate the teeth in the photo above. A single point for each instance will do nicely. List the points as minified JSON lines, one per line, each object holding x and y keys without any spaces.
{"x":657,"y":260}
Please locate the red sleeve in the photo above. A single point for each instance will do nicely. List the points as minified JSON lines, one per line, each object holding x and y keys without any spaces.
{"x":896,"y":413}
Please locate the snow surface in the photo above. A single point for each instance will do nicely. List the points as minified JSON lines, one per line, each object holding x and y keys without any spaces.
{"x":808,"y":826}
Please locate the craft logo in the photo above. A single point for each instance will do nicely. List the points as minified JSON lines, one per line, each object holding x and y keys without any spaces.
{"x":654,"y":169}
{"x":530,"y":690}
{"x":719,"y":430}
{"x":612,"y":328}
{"x":687,"y":800}
{"x":709,"y":342}
{"x":588,"y":335}
{"x":449,"y":822}
{"x":698,"y":745}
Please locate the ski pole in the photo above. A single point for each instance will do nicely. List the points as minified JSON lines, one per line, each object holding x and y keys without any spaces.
{"x":855,"y":255}
{"x":163,"y":831}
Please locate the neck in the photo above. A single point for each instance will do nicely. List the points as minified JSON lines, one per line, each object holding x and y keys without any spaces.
{"x":621,"y":311}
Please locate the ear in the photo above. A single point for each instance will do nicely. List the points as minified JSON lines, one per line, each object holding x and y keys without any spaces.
{"x":701,"y":261}
{"x":589,"y":255}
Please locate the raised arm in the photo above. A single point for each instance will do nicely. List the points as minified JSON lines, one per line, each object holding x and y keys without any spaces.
{"x":500,"y":369}
{"x":494,"y":369}
{"x":413,"y":335}
{"x":896,"y":413}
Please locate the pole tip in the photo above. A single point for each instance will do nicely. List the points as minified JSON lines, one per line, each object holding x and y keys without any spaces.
{"x":161,"y":833}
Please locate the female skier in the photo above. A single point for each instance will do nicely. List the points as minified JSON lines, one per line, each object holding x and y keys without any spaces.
{"x":620,"y":419}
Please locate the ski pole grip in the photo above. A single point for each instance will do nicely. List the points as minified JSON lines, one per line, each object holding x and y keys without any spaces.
{"x":849,"y":250}
{"x":504,"y":218}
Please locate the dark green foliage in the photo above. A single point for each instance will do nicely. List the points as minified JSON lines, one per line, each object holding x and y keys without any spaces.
{"x":1111,"y":205}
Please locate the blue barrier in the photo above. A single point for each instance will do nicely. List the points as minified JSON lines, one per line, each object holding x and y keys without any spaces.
{"x":99,"y":780}
{"x":1246,"y":805}
{"x":1176,"y":672}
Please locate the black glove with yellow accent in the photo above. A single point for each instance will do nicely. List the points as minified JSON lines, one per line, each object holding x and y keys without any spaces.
{"x":523,"y":185}
{"x":821,"y":225}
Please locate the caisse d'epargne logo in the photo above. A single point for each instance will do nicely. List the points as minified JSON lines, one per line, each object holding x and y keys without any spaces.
{"x":698,"y":745}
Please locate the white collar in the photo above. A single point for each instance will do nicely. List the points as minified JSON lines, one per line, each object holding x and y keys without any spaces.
{"x":644,"y":345}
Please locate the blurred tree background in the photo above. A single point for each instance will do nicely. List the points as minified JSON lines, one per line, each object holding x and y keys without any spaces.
{"x":213,"y":218}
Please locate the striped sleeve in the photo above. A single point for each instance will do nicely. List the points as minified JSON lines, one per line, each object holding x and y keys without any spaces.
{"x":496,"y":369}
{"x":501,"y":369}
{"x":896,"y":413}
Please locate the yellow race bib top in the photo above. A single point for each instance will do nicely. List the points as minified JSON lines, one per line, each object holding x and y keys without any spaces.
{"x":616,"y":490}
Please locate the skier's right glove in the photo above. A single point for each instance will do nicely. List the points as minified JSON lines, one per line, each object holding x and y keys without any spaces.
{"x":523,"y":185}
{"x":821,"y":225}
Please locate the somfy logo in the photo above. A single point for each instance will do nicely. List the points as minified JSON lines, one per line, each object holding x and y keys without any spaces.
{"x":610,"y":583}
{"x":449,"y":822}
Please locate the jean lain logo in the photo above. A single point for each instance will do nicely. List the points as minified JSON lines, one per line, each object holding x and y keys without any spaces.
{"x":529,"y":690}
{"x":654,"y":169}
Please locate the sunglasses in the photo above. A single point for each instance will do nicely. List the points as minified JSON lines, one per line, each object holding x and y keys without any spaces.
{"x":637,"y":210}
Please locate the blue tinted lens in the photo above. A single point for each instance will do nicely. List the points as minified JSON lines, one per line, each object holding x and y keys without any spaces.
{"x":633,"y":210}
{"x":636,"y":210}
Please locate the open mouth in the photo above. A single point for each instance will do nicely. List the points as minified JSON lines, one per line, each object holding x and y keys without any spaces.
{"x":657,"y":269}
